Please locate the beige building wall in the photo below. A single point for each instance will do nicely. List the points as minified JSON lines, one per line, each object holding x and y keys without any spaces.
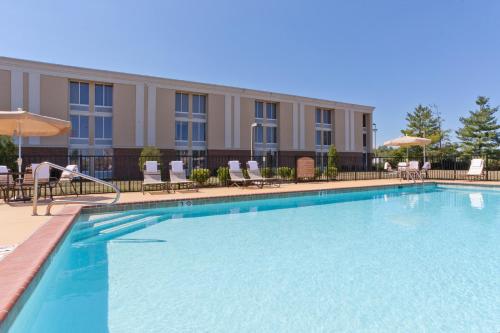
{"x":54,"y":102}
{"x":310,"y":127}
{"x":358,"y":131}
{"x":285,"y":126}
{"x":123,"y":115}
{"x":25,"y":92}
{"x":5,"y":104}
{"x":339,"y":130}
{"x":165,"y":118}
{"x":247,"y":117}
{"x":215,"y":121}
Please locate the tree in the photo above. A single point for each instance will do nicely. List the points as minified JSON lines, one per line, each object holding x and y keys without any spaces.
{"x":480,"y":134}
{"x":331,"y":169}
{"x":8,"y":154}
{"x":424,"y":122}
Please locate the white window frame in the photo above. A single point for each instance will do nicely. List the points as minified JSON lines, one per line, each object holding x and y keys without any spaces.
{"x":181,"y":106}
{"x":79,"y":92}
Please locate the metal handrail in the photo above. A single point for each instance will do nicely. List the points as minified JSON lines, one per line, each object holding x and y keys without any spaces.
{"x":62,"y":201}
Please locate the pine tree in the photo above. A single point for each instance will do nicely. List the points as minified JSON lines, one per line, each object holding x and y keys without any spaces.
{"x":480,"y":134}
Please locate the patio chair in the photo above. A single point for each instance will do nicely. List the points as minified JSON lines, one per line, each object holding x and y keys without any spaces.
{"x":389,"y":170}
{"x":68,"y":177}
{"x":178,"y":176}
{"x":413,"y":171}
{"x":237,"y":178}
{"x":44,"y":179}
{"x":402,"y":168}
{"x":425,"y":169}
{"x":255,"y":175}
{"x":152,"y":176}
{"x":6,"y":183}
{"x":476,"y":169}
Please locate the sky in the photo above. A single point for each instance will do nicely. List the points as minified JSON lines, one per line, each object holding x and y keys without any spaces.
{"x":391,"y":55}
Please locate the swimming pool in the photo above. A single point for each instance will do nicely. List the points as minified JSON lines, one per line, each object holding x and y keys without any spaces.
{"x":422,"y":258}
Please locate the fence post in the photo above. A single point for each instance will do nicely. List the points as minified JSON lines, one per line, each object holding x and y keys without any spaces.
{"x":80,"y":166}
{"x":455,"y":168}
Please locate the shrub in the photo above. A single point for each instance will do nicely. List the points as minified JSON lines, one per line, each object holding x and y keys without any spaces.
{"x":266,"y":172}
{"x":149,"y":154}
{"x":200,"y":175}
{"x":317,"y":172}
{"x":223,"y":175}
{"x":284,"y":172}
{"x":8,"y":154}
{"x":245,"y":173}
{"x":331,"y":172}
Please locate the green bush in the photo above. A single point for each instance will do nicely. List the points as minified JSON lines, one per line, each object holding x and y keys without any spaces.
{"x":223,"y":175}
{"x":200,"y":175}
{"x":284,"y":172}
{"x":292,"y":173}
{"x":149,"y":154}
{"x":266,"y":172}
{"x":331,"y":172}
{"x":8,"y":154}
{"x":317,"y":172}
{"x":245,"y":173}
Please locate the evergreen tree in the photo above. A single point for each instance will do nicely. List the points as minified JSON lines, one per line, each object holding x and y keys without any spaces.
{"x":480,"y":134}
{"x":423,"y":122}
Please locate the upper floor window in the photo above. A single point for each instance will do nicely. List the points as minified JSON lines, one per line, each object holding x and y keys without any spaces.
{"x":103,"y":127}
{"x":199,"y":132}
{"x":327,"y":138}
{"x":271,"y":134}
{"x":365,"y":119}
{"x":271,"y":110}
{"x":103,"y":95}
{"x":318,"y":116}
{"x":259,"y":134}
{"x":259,"y":110}
{"x":79,"y":126}
{"x":181,"y":130}
{"x":199,"y":102}
{"x":79,"y":93}
{"x":364,"y":140}
{"x":327,"y":116}
{"x":318,"y":138}
{"x":181,"y":102}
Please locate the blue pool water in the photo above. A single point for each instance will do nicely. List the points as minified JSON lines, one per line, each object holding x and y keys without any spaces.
{"x":421,"y":259}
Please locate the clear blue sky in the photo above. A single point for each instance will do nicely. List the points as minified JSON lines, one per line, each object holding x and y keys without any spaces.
{"x":389,"y":54}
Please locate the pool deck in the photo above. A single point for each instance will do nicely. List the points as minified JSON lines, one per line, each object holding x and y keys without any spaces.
{"x":33,"y":238}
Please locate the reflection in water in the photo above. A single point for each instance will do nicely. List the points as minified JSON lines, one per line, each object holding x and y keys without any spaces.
{"x":476,"y":200}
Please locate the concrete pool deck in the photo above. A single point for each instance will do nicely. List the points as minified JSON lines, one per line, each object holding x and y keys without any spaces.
{"x":36,"y":237}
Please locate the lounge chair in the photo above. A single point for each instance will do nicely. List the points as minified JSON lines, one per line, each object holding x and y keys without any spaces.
{"x":6,"y":183}
{"x":237,"y":178}
{"x":425,"y":169}
{"x":413,"y":171}
{"x":44,"y":179}
{"x":255,"y":175}
{"x":476,"y":169}
{"x":152,"y":176}
{"x":68,"y":177}
{"x":388,"y":169}
{"x":402,"y":168}
{"x":178,"y":176}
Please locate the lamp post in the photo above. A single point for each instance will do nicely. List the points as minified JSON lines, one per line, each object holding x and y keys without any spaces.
{"x":251,"y":138}
{"x":374,"y":129}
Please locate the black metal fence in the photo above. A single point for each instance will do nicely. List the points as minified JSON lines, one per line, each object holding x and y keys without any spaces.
{"x":126,"y":171}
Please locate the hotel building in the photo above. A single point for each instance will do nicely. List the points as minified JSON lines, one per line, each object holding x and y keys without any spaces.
{"x":118,"y":114}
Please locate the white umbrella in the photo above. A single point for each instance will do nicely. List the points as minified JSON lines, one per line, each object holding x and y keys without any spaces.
{"x":24,"y":124}
{"x":408,"y":141}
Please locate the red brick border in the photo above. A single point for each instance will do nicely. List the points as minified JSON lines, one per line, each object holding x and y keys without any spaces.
{"x":19,"y":268}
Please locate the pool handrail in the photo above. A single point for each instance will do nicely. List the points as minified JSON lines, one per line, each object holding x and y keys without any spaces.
{"x":63,"y":201}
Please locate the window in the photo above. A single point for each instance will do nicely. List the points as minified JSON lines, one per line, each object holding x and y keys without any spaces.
{"x":259,"y":110}
{"x":318,"y":138}
{"x":259,"y":134}
{"x":103,"y":127}
{"x":364,"y":140}
{"x":327,"y":117}
{"x":79,"y":93}
{"x":318,"y":116}
{"x":327,"y":138}
{"x":199,"y":131}
{"x":181,"y":130}
{"x":103,"y":95}
{"x":271,"y":136}
{"x":270,"y":110}
{"x":199,"y":103}
{"x":181,"y":102}
{"x":364,"y":119}
{"x":79,"y":126}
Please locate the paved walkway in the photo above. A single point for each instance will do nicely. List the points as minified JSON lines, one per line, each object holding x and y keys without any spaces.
{"x":17,"y":222}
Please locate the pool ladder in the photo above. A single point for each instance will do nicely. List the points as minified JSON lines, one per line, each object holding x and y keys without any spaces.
{"x":63,"y":201}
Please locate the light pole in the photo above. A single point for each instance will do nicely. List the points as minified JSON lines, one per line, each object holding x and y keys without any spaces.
{"x":374,"y":129}
{"x":251,"y":138}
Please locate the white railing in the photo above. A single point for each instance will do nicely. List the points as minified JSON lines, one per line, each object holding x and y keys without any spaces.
{"x":64,"y":201}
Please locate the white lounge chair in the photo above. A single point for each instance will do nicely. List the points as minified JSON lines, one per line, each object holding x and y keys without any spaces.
{"x":476,"y":169}
{"x":402,"y":168}
{"x":152,"y":176}
{"x":255,"y":175}
{"x":178,"y":176}
{"x":425,"y":169}
{"x":6,"y":182}
{"x":44,"y":179}
{"x":236,"y":175}
{"x":68,"y":177}
{"x":413,"y":171}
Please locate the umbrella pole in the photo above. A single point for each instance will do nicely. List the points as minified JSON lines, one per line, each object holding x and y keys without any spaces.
{"x":19,"y":159}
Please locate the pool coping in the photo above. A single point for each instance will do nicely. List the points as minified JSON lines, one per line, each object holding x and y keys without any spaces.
{"x":21,"y":270}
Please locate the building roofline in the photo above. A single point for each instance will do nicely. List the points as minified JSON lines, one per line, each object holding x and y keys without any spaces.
{"x":67,"y":70}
